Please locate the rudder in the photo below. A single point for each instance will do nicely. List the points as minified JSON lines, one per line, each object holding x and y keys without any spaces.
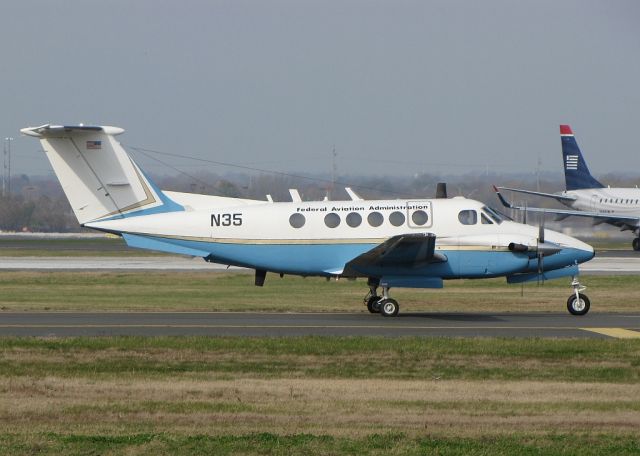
{"x":97,"y":175}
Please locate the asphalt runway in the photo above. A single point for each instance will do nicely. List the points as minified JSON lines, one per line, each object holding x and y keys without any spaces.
{"x":251,"y":324}
{"x":611,"y":262}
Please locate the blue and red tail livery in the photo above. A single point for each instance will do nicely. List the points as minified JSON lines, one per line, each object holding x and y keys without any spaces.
{"x":576,"y":172}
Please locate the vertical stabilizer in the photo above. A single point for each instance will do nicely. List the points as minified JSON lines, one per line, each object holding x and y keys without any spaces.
{"x":576,"y":172}
{"x":98,"y":177}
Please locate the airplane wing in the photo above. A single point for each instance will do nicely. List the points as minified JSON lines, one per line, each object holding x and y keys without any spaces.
{"x":617,"y":219}
{"x":404,"y":250}
{"x":531,"y":192}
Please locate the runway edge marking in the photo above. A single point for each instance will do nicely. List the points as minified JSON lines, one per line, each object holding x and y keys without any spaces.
{"x":618,"y":333}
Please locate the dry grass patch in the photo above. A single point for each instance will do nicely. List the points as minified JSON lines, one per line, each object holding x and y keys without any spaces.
{"x":332,"y":407}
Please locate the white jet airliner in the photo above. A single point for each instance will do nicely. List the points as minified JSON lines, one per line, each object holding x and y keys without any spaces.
{"x":585,"y":195}
{"x":393,"y":243}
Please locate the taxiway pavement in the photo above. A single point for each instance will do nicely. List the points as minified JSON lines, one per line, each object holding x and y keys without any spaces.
{"x":251,"y":324}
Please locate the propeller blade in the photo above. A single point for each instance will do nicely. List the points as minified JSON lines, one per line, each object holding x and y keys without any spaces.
{"x":541,"y":230}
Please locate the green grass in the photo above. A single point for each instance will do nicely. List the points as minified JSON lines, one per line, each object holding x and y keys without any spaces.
{"x":206,"y":291}
{"x":71,"y":247}
{"x":306,"y":444}
{"x":615,"y":361}
{"x":318,"y":396}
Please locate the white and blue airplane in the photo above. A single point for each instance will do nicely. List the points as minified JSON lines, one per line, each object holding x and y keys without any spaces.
{"x":585,"y":195}
{"x":414,"y":243}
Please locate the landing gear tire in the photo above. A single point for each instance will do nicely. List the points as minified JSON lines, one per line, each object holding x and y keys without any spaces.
{"x":577,"y":306}
{"x":389,"y":307}
{"x":636,"y":244}
{"x":373,"y":304}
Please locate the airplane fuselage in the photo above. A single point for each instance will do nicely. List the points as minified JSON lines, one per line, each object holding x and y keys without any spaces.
{"x":319,"y":238}
{"x":623,"y":202}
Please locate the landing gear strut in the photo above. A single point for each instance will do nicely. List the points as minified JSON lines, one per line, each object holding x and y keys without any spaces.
{"x":578,"y":303}
{"x":380,"y":304}
{"x":371,"y":300}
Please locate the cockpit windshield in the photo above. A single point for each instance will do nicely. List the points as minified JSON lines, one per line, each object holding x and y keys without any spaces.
{"x":493,"y":214}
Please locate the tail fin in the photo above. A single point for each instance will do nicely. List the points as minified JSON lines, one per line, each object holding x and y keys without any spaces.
{"x":576,"y":172}
{"x":98,"y":177}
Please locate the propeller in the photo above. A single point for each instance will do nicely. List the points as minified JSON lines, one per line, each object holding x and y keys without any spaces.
{"x":540,"y":252}
{"x":544,"y":248}
{"x":541,"y":249}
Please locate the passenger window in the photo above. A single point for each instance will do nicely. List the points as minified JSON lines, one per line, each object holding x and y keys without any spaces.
{"x":485,"y":220}
{"x":419,"y":218}
{"x":354,"y":219}
{"x":396,"y":218}
{"x":296,"y":220}
{"x":332,"y":220}
{"x":468,"y":217}
{"x":375,"y":219}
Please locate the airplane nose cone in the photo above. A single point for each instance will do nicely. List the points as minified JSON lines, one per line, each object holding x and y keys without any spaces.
{"x":584,"y":255}
{"x":573,"y":250}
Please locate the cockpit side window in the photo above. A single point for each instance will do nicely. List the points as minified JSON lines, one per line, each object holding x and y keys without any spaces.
{"x":485,"y":220}
{"x":468,"y":217}
{"x":495,"y":216}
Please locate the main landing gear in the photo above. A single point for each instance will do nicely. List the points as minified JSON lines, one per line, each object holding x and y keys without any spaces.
{"x":636,"y":244}
{"x":383,"y":305}
{"x":578,"y":303}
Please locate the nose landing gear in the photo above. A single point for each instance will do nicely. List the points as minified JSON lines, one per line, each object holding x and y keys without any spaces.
{"x":578,"y":303}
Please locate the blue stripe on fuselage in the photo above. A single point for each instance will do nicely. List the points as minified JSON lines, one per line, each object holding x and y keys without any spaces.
{"x":326,"y":259}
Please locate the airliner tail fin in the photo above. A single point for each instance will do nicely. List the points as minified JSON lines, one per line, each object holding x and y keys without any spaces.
{"x":576,"y":172}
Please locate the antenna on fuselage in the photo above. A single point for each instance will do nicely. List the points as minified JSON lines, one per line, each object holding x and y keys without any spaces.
{"x":441,"y":190}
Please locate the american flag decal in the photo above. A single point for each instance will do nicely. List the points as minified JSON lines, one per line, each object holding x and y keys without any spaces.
{"x":571,"y":162}
{"x":94,"y":144}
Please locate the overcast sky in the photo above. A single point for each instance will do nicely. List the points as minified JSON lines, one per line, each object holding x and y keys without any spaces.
{"x":398,"y":87}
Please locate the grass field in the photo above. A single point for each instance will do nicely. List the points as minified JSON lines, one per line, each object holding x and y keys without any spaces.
{"x":312,"y":395}
{"x":215,"y":291}
{"x":66,"y":247}
{"x":319,"y":395}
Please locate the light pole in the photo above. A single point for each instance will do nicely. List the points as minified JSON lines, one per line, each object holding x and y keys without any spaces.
{"x":4,"y":169}
{"x":8,"y":142}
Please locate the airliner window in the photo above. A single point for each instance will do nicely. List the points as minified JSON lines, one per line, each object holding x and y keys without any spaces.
{"x":354,"y":219}
{"x":296,"y":220}
{"x":332,"y":220}
{"x":485,"y":220}
{"x":396,"y":218}
{"x":419,"y":218}
{"x":375,"y":219}
{"x":468,"y":217}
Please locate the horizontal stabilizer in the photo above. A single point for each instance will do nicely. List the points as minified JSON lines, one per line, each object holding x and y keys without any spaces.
{"x":151,"y":243}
